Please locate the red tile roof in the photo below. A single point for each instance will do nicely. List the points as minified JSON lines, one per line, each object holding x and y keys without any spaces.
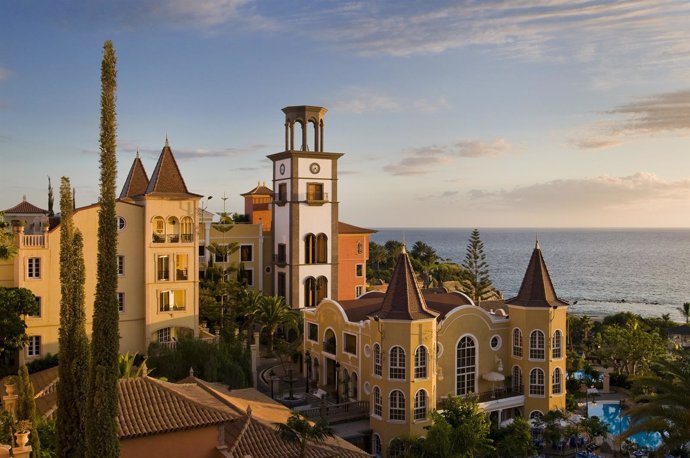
{"x":250,"y":437}
{"x":147,"y":406}
{"x":137,"y":180}
{"x":166,"y":178}
{"x":25,"y":207}
{"x":403,"y":300}
{"x":260,"y":189}
{"x":344,"y":228}
{"x":536,"y":289}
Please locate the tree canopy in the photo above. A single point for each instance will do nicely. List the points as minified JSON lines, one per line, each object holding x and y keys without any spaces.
{"x":15,"y":303}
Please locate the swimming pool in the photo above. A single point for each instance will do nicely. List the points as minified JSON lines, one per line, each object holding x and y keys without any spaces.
{"x":610,"y":414}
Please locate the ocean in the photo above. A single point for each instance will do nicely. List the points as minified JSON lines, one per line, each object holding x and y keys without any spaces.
{"x":599,"y":271}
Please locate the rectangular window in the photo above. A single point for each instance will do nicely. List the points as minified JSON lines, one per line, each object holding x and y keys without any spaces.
{"x":282,"y":284}
{"x":247,"y":276}
{"x":358,"y":270}
{"x":222,"y":253}
{"x":246,"y":253}
{"x":172,"y":300}
{"x":314,"y":192}
{"x":120,"y":302}
{"x":40,"y":308}
{"x":164,"y":335}
{"x":350,"y":343}
{"x":282,"y":192}
{"x":34,"y":347}
{"x":359,"y":290}
{"x":163,"y":268}
{"x":120,"y":265}
{"x":33,"y":268}
{"x":313,"y":332}
{"x":281,"y":257}
{"x":202,"y":251}
{"x":181,"y":267}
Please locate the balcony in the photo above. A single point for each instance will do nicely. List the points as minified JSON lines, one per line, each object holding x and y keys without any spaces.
{"x":33,"y":241}
{"x":280,"y":259}
{"x":316,"y":198}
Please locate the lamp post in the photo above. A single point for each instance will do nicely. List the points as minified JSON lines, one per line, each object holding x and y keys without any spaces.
{"x":308,"y":372}
{"x":337,"y":389}
{"x":273,"y":377}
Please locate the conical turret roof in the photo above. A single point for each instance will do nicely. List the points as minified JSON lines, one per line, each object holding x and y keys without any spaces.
{"x":536,"y":289}
{"x":166,"y":178}
{"x":403,"y":300}
{"x":137,"y":180}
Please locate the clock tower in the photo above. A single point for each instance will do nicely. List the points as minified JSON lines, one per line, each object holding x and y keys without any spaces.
{"x":305,"y":211}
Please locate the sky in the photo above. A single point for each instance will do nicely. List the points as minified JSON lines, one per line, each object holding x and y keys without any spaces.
{"x":553,"y":113}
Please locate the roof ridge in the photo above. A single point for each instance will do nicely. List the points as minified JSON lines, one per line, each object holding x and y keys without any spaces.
{"x":247,"y":422}
{"x":134,"y":185}
{"x":403,"y":299}
{"x":536,"y":289}
{"x":166,"y":177}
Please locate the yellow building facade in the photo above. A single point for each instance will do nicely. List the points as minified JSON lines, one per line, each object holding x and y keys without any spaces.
{"x":407,"y":349}
{"x":157,"y":262}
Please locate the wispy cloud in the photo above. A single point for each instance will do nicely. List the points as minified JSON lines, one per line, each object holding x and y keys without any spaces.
{"x":587,"y":193}
{"x":360,"y":100}
{"x":419,"y":161}
{"x":656,"y":114}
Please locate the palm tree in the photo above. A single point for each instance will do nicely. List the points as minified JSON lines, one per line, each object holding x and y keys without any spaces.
{"x":685,"y":310}
{"x":273,"y":313}
{"x":665,"y":404}
{"x":299,"y":431}
{"x":247,"y":306}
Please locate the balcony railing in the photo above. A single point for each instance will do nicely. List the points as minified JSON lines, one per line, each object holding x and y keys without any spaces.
{"x":317,"y":198}
{"x":500,"y":393}
{"x":280,"y":259}
{"x":338,"y":412}
{"x":34,"y":241}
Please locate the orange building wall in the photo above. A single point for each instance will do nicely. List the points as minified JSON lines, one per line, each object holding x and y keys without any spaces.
{"x":258,"y":208}
{"x":199,"y":443}
{"x":348,"y":258}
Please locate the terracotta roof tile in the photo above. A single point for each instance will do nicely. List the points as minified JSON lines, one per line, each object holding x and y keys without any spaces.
{"x":137,"y":180}
{"x":344,"y":228}
{"x":148,"y":406}
{"x":536,"y":289}
{"x":25,"y":207}
{"x":166,"y":178}
{"x":250,"y":437}
{"x":260,"y":190}
{"x":403,"y":300}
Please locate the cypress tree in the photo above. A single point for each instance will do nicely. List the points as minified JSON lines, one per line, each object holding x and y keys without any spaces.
{"x":74,"y":350}
{"x":26,"y":408}
{"x":477,"y":284}
{"x":101,"y":412}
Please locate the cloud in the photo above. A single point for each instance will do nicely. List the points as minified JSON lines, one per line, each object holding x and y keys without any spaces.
{"x":656,"y":114}
{"x":477,"y":148}
{"x":5,"y":73}
{"x":360,"y":100}
{"x":602,"y":192}
{"x":419,"y":161}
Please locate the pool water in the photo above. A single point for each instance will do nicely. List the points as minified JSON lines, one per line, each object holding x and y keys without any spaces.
{"x":610,"y":414}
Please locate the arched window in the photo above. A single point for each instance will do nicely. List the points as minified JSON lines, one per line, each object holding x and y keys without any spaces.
{"x":187,"y":230}
{"x":536,"y":345}
{"x":321,"y":289}
{"x":535,"y":415}
{"x":517,"y":343}
{"x":172,"y":230}
{"x":466,"y":366}
{"x":556,"y":385}
{"x":378,"y":369}
{"x":158,"y":229}
{"x":556,"y":344}
{"x":377,"y":402}
{"x":309,"y":249}
{"x":321,"y":249}
{"x":329,"y":342}
{"x":420,"y":361}
{"x":397,"y":364}
{"x":376,"y":446}
{"x":396,"y":410}
{"x":310,"y":292}
{"x":353,"y":386}
{"x":536,"y":382}
{"x":516,"y":382}
{"x":420,"y":405}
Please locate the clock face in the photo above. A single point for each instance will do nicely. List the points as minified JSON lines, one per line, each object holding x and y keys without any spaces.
{"x":282,"y":169}
{"x":314,"y":167}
